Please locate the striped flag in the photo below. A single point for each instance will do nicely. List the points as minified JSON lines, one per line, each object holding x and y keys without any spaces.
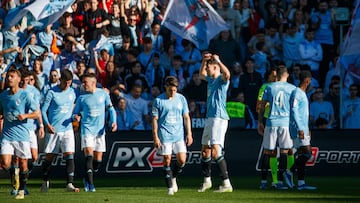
{"x":194,"y":20}
{"x":44,"y":12}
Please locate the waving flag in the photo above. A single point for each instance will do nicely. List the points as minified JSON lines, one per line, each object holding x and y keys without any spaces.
{"x":194,"y":20}
{"x":44,"y":12}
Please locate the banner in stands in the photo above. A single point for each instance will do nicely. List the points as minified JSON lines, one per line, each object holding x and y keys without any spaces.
{"x":132,"y":153}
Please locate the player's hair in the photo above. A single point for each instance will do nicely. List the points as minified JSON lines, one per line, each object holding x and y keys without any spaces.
{"x":280,"y":71}
{"x":89,"y":75}
{"x":303,"y":75}
{"x":66,"y":75}
{"x":171,"y":81}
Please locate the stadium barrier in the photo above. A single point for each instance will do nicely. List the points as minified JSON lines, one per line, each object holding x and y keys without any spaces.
{"x":131,"y":153}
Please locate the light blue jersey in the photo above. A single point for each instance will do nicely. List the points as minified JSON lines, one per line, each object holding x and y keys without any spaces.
{"x":216,"y":98}
{"x":92,"y":107}
{"x":170,"y":117}
{"x":57,"y":108}
{"x":278,"y":95}
{"x":36,"y":96}
{"x":299,"y":113}
{"x":10,"y":107}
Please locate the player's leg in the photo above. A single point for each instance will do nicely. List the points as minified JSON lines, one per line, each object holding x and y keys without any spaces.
{"x":217,"y":153}
{"x":68,"y":147}
{"x":166,"y":152}
{"x":304,"y":154}
{"x":14,"y":175}
{"x":206,"y":156}
{"x":290,"y":159}
{"x":46,"y":170}
{"x":88,"y":145}
{"x":285,"y":143}
{"x":274,"y":167}
{"x":34,"y":150}
{"x":180,"y":151}
{"x":23,"y":152}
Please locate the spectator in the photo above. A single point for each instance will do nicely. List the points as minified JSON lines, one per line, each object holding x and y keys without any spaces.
{"x":124,"y":117}
{"x":273,"y":44}
{"x":117,"y":27}
{"x":324,"y":21}
{"x":291,"y":40}
{"x":38,"y":70}
{"x":236,"y":73}
{"x":250,"y":83}
{"x":96,"y":20}
{"x":195,"y":110}
{"x":231,"y":17}
{"x":155,"y":73}
{"x":334,"y":98}
{"x":311,"y":53}
{"x":53,"y":81}
{"x":167,"y":56}
{"x":135,"y":27}
{"x":100,"y":64}
{"x":177,"y":70}
{"x":196,"y":89}
{"x":145,"y":56}
{"x":78,"y":74}
{"x":274,"y":15}
{"x":136,"y":78}
{"x":260,"y":58}
{"x":138,"y":107}
{"x":351,"y":109}
{"x":191,"y":57}
{"x":156,"y":37}
{"x":31,"y":51}
{"x":321,"y":109}
{"x":226,"y":47}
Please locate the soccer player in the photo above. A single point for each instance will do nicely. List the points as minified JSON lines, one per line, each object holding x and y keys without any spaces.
{"x":170,"y":114}
{"x":277,"y":94}
{"x":299,"y":128}
{"x":16,"y":107}
{"x":213,"y":138}
{"x":57,"y":111}
{"x":268,"y":157}
{"x":90,"y":108}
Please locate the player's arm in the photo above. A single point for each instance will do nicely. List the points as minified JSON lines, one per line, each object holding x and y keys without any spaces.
{"x":261,"y":117}
{"x":154,"y":124}
{"x":206,"y":56}
{"x":187,"y":122}
{"x":223,"y":69}
{"x":110,"y":108}
{"x":295,"y":117}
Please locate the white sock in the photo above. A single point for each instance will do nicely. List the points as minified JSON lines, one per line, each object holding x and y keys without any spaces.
{"x":207,"y":179}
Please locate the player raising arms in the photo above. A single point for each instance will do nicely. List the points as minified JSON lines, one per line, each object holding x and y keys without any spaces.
{"x":90,"y":108}
{"x":170,"y":114}
{"x":213,"y":138}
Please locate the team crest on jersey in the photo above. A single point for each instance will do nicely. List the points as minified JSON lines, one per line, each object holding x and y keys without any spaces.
{"x":18,"y":102}
{"x":71,"y":97}
{"x":101,"y":99}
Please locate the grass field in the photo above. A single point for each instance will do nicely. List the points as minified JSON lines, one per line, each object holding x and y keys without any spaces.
{"x":152,"y":189}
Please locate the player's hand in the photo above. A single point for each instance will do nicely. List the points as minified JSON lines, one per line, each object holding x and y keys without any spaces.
{"x":260,"y":129}
{"x":22,"y":117}
{"x":50,"y":128}
{"x":157,"y":143}
{"x":113,"y":127}
{"x":189,"y":140}
{"x":41,"y":132}
{"x":206,"y":56}
{"x":301,"y":134}
{"x":77,"y":118}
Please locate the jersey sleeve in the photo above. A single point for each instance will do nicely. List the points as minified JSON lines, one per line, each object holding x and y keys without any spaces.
{"x":45,"y":106}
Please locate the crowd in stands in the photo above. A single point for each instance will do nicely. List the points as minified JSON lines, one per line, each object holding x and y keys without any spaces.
{"x":124,"y":43}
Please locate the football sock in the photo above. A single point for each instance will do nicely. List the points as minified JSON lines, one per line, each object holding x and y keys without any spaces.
{"x":265,"y":166}
{"x":300,"y":165}
{"x":30,"y":165}
{"x":168,"y":176}
{"x":206,"y":166}
{"x":282,"y":166}
{"x":97,"y":165}
{"x":89,"y":169}
{"x":274,"y":169}
{"x":290,"y":161}
{"x":46,"y":170}
{"x":222,"y":167}
{"x":23,"y":178}
{"x":177,"y":169}
{"x":70,"y":168}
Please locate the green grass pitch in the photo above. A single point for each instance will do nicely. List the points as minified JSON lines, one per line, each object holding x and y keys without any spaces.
{"x":152,"y":189}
